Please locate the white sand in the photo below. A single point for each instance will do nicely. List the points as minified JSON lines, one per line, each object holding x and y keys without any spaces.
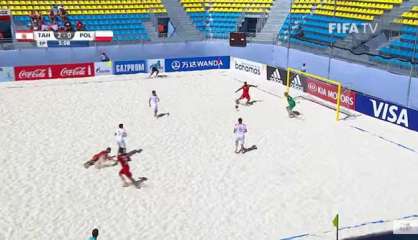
{"x":302,"y":174}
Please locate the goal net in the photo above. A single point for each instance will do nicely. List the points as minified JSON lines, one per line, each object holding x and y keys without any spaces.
{"x":323,"y":88}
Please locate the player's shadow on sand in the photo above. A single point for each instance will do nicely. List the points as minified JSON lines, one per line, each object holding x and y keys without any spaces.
{"x":163,"y":114}
{"x":250,"y":103}
{"x":252,"y":148}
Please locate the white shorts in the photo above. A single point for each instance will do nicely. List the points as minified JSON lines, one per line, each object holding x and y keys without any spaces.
{"x":240,"y":139}
{"x":154,"y":107}
{"x":121,"y":143}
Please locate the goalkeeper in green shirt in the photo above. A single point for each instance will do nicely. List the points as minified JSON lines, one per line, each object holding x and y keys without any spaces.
{"x":291,"y":104}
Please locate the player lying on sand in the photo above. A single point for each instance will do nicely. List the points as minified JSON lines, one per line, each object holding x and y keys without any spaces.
{"x":101,"y":159}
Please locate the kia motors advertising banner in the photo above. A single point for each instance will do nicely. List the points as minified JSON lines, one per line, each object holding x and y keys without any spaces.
{"x":196,"y":63}
{"x":329,"y":92}
{"x":6,"y":74}
{"x":54,"y":71}
{"x":129,"y":67}
{"x":249,"y":68}
{"x":103,"y":68}
{"x":387,"y":111}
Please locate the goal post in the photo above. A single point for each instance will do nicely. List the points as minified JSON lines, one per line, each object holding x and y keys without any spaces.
{"x":326,"y":89}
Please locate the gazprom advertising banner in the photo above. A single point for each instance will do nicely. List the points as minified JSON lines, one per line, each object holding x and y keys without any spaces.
{"x":129,"y":67}
{"x":196,"y":63}
{"x":386,"y":111}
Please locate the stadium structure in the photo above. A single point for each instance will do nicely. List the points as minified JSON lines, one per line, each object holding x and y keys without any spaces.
{"x":349,"y":57}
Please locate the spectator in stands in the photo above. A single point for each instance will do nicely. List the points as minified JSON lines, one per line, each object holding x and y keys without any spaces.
{"x":94,"y":234}
{"x":104,"y":57}
{"x":36,"y":20}
{"x":62,"y":13}
{"x":54,"y":10}
{"x":36,"y":25}
{"x":303,"y":68}
{"x":35,"y":16}
{"x":68,"y":27}
{"x":44,"y":27}
{"x":53,"y":26}
{"x":79,"y":26}
{"x":52,"y":15}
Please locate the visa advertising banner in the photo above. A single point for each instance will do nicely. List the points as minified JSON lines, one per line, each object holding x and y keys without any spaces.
{"x":387,"y":111}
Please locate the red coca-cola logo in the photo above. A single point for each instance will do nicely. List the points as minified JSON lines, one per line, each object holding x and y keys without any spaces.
{"x":34,"y":74}
{"x":73,"y":72}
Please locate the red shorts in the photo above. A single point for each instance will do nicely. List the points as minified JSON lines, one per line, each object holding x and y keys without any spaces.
{"x":246,"y":96}
{"x":126,"y":172}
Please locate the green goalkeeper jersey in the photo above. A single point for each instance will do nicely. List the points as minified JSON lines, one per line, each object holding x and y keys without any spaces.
{"x":291,"y":102}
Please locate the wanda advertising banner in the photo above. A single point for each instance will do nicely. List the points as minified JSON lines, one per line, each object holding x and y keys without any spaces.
{"x":40,"y":72}
{"x":329,"y":92}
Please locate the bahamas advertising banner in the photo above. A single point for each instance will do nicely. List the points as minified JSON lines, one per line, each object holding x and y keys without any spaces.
{"x":249,"y":68}
{"x":103,"y":68}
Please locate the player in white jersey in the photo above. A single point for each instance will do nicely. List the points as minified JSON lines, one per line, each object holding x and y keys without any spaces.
{"x":153,"y":102}
{"x":240,"y":130}
{"x":121,"y":135}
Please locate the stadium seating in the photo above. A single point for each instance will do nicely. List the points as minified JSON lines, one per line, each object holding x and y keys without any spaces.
{"x":309,"y":20}
{"x":405,"y":47}
{"x":409,"y":18}
{"x":125,"y":18}
{"x":217,"y":18}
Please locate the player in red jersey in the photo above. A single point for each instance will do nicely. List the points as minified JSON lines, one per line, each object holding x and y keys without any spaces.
{"x":245,"y":92}
{"x":99,"y":159}
{"x":123,"y":159}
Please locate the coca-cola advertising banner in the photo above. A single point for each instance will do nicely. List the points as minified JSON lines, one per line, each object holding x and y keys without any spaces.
{"x":329,"y":92}
{"x":54,"y":71}
{"x":33,"y":73}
